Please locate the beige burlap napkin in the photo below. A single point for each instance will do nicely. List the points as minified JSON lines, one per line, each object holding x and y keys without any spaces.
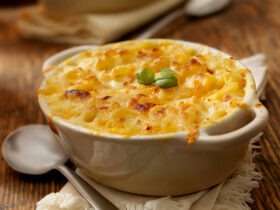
{"x":234,"y":193}
{"x":88,"y":28}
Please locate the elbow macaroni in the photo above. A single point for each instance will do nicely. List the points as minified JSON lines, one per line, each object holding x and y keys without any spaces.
{"x":97,"y":89}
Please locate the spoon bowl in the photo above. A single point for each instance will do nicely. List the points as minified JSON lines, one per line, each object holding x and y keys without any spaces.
{"x":192,"y":8}
{"x":200,"y":8}
{"x":33,"y":150}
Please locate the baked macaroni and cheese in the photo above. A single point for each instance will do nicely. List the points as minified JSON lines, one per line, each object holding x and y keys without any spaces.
{"x":144,"y":88}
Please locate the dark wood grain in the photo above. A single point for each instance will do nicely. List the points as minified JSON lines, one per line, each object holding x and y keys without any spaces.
{"x":245,"y":28}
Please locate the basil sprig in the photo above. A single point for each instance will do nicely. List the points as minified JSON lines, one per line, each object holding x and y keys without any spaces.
{"x":165,"y":79}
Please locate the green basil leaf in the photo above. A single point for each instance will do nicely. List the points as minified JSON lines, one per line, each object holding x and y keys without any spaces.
{"x":166,"y":80}
{"x":145,"y":76}
{"x":165,"y":76}
{"x":166,"y":70}
{"x":166,"y":83}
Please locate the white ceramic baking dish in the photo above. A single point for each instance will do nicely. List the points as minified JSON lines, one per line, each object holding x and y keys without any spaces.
{"x":162,"y":164}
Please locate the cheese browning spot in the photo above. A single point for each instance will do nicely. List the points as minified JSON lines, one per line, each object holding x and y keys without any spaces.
{"x":52,"y":127}
{"x":79,"y":93}
{"x":192,"y":135}
{"x":149,"y":127}
{"x":157,"y":89}
{"x":155,"y":49}
{"x":242,"y":106}
{"x":104,"y":108}
{"x":226,"y":98}
{"x":210,"y":71}
{"x":122,"y":52}
{"x":140,"y":95}
{"x":194,"y":61}
{"x":105,"y":98}
{"x":258,"y":105}
{"x":160,"y":112}
{"x":143,"y":107}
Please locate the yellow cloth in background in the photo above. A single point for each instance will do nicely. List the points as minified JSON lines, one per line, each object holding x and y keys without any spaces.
{"x":88,"y":28}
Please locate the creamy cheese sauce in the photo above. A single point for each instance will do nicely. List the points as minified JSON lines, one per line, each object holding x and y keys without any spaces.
{"x":97,"y":89}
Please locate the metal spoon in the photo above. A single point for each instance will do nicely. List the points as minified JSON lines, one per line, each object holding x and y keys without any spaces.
{"x":196,"y":8}
{"x":35,"y":150}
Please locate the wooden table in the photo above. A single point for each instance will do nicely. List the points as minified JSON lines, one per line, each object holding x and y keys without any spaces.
{"x":245,"y":28}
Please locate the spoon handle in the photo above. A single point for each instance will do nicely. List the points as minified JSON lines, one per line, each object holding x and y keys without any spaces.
{"x":160,"y":24}
{"x":88,"y":192}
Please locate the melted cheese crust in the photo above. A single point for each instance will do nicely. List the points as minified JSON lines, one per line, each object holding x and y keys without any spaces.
{"x":97,"y":89}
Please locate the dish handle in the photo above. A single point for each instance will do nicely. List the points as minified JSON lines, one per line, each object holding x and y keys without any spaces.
{"x":240,"y":135}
